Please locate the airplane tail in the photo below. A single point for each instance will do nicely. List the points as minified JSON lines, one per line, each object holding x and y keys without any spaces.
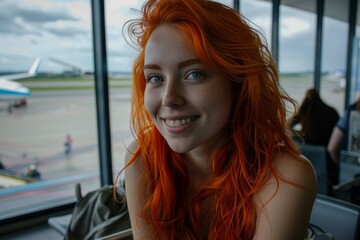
{"x":32,"y":72}
{"x":34,"y":67}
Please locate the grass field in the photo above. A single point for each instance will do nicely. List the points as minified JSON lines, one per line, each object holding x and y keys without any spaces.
{"x":60,"y":83}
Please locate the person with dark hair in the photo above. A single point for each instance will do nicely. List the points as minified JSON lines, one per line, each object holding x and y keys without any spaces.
{"x":68,"y":144}
{"x":212,"y":157}
{"x":317,"y":119}
{"x":2,"y":166}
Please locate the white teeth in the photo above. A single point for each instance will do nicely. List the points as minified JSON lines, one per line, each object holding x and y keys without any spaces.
{"x":178,"y":123}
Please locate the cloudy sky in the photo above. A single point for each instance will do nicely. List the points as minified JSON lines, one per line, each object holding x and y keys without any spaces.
{"x":61,"y":29}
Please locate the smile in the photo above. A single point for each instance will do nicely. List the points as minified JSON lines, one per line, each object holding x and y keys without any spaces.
{"x":179,"y":122}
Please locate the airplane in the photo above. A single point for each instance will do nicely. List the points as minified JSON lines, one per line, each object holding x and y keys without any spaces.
{"x":14,"y":92}
{"x":338,"y":76}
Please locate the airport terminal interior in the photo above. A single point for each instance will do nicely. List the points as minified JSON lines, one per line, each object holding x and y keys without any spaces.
{"x":71,"y":66}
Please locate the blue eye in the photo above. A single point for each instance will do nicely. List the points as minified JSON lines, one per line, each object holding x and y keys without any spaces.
{"x":154,"y":79}
{"x":195,"y":75}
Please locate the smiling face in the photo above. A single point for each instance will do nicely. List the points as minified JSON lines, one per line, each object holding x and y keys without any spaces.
{"x":188,"y":103}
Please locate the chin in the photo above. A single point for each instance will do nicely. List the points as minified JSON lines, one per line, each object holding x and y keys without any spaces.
{"x":179,"y":148}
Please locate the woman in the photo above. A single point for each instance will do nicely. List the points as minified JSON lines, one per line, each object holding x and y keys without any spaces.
{"x":211,"y":157}
{"x":317,"y":119}
{"x":340,"y":134}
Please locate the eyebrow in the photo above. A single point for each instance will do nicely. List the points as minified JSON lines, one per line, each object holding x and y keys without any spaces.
{"x":180,"y":65}
{"x":152,"y":66}
{"x":188,"y":63}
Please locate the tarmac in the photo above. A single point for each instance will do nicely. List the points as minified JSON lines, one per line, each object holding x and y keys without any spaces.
{"x":35,"y":134}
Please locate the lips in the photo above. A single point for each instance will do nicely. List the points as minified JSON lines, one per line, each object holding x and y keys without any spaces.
{"x":179,"y":122}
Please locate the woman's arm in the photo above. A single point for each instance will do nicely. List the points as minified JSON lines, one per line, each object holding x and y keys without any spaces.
{"x":133,"y":196}
{"x":334,"y":145}
{"x":284,"y":213}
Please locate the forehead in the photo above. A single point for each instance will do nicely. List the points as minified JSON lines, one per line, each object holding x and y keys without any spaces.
{"x":167,"y":43}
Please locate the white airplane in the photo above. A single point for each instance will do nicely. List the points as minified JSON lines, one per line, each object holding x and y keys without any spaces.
{"x":13,"y":92}
{"x":338,"y":76}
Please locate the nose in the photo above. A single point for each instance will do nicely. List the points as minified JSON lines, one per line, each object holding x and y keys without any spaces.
{"x":173,"y":95}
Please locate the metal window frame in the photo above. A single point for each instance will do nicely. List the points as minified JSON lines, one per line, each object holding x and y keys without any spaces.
{"x":102,"y":91}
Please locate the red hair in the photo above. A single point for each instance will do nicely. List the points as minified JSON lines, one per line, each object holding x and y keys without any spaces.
{"x":225,"y":43}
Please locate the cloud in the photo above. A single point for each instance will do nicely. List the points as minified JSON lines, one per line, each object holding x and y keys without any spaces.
{"x":25,"y":19}
{"x":14,"y":27}
{"x":42,"y":16}
{"x":293,"y":26}
{"x":64,"y":29}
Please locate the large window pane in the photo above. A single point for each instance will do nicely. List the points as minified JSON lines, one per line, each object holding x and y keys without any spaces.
{"x":334,"y":56}
{"x":296,"y":50}
{"x":121,"y":56}
{"x":260,"y":15}
{"x":61,"y":102}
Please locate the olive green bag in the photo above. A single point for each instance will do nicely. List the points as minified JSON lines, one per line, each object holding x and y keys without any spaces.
{"x":98,"y":214}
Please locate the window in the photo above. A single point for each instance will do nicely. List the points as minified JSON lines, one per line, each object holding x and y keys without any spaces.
{"x":120,"y":61}
{"x":335,"y":41}
{"x":61,"y":104}
{"x":296,"y":50}
{"x":62,"y":101}
{"x":259,"y":13}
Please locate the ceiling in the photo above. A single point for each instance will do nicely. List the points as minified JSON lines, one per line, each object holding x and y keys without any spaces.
{"x":337,"y":9}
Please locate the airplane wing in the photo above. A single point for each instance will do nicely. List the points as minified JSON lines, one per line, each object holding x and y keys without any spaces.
{"x":13,"y":91}
{"x":32,"y":72}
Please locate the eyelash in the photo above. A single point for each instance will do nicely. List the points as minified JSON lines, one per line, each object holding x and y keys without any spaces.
{"x":188,"y":76}
{"x":149,"y":78}
{"x":199,"y":74}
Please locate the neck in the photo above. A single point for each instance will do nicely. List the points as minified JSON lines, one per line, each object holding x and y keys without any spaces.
{"x":199,"y":166}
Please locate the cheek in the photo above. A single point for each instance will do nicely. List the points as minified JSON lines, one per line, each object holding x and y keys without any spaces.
{"x":221,"y":109}
{"x":221,"y":103}
{"x":219,"y":98}
{"x":150,"y":102}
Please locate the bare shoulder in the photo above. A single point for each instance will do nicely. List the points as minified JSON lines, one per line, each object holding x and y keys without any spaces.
{"x":296,"y":169}
{"x":296,"y":176}
{"x":284,"y":204}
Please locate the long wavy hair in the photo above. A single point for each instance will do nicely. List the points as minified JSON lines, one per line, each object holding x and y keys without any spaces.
{"x":224,"y":42}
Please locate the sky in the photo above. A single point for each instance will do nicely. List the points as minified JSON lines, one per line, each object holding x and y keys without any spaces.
{"x":61,"y":29}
